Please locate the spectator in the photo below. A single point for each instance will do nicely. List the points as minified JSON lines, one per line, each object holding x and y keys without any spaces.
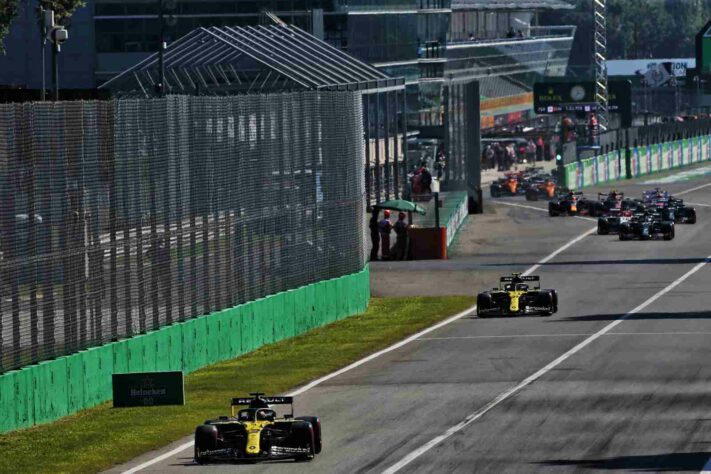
{"x":519,"y":34}
{"x":592,"y":128}
{"x":489,"y":157}
{"x":499,"y":156}
{"x":374,"y":235}
{"x":426,"y":180}
{"x":511,"y":33}
{"x":471,"y":37}
{"x":539,"y":149}
{"x":385,"y":227}
{"x":401,"y":227}
{"x":531,"y":150}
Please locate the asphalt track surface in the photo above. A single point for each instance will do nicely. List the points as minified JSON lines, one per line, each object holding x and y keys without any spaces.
{"x":611,"y":390}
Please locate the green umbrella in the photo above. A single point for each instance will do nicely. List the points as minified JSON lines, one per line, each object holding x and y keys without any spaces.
{"x":400,"y":205}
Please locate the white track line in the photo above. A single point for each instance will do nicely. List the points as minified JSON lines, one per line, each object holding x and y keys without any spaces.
{"x":692,"y":189}
{"x":367,"y":359}
{"x":518,"y":336}
{"x":532,"y":378}
{"x":540,"y":209}
{"x":697,"y":204}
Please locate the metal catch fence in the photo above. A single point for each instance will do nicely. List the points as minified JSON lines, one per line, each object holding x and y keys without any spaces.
{"x":119,"y":217}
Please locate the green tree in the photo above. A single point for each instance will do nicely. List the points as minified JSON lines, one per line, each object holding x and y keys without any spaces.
{"x":63,"y":9}
{"x":8,"y":10}
{"x":636,"y":29}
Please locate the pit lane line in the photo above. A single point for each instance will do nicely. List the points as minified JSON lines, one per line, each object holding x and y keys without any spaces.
{"x":532,"y":378}
{"x":367,"y":359}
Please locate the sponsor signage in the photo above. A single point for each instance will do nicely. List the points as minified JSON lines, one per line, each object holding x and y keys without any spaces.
{"x":556,"y":97}
{"x":148,"y":389}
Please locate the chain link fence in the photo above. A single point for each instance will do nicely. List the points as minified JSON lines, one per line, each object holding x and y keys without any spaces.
{"x":119,"y":217}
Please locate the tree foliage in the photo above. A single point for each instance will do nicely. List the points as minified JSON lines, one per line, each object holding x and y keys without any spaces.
{"x":8,"y":10}
{"x":63,"y":9}
{"x":637,"y":29}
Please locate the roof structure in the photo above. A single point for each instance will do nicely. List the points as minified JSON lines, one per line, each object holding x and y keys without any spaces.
{"x":511,"y":5}
{"x":229,"y":60}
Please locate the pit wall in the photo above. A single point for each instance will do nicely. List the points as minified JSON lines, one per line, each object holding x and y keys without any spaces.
{"x":638,"y":162}
{"x":50,"y":390}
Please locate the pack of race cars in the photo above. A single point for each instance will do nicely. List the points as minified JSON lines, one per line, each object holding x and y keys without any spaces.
{"x":534,"y":183}
{"x":653,"y":216}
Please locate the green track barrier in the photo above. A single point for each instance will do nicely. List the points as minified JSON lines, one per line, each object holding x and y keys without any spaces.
{"x":640,"y":161}
{"x":50,"y":390}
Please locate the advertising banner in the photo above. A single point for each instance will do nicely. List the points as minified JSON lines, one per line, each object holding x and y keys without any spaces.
{"x":588,"y":173}
{"x":666,"y":159}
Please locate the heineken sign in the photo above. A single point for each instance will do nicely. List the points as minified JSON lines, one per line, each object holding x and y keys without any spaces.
{"x":148,"y":389}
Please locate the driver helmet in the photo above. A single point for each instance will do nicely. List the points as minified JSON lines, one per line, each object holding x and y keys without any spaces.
{"x":266,"y":414}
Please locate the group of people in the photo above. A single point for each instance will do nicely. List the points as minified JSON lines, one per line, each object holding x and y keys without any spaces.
{"x":380,"y":231}
{"x":502,"y":157}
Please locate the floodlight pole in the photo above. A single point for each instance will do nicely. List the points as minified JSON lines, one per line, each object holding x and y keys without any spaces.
{"x":55,"y":71}
{"x":161,"y":50}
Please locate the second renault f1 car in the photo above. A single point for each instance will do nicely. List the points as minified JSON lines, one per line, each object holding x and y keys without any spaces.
{"x":255,"y":433}
{"x":517,"y":295}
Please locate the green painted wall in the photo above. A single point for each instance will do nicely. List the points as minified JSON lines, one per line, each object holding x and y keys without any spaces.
{"x":50,"y":390}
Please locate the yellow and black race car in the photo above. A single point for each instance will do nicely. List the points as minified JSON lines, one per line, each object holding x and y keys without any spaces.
{"x":255,"y":433}
{"x":517,"y":295}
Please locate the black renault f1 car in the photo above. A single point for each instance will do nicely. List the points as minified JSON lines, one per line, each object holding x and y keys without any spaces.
{"x":255,"y":433}
{"x":647,"y":226}
{"x":517,"y":295}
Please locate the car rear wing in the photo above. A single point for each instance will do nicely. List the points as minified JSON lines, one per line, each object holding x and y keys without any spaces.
{"x":258,"y":396}
{"x":535,"y":279}
{"x":268,"y":400}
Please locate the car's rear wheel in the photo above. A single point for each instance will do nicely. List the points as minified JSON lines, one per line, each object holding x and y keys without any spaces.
{"x":303,"y":434}
{"x":316,"y":426}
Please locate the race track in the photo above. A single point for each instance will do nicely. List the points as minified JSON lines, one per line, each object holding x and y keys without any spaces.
{"x":618,"y":379}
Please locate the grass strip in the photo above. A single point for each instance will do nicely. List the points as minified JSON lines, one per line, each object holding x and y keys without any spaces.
{"x":98,"y":438}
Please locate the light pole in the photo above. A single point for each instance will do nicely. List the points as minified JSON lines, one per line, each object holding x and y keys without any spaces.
{"x":57,"y":35}
{"x":161,"y":50}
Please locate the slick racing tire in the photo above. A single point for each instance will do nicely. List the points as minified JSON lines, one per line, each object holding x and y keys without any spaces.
{"x":602,"y":229}
{"x":483,"y":301}
{"x":691,"y":217}
{"x":316,"y":425}
{"x":495,"y":192}
{"x":669,"y":234}
{"x":531,"y":195}
{"x":552,"y":212}
{"x":205,"y":440}
{"x":303,"y":434}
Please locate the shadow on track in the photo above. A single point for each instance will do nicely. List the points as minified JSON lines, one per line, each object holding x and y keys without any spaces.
{"x":644,"y":463}
{"x":639,"y":316}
